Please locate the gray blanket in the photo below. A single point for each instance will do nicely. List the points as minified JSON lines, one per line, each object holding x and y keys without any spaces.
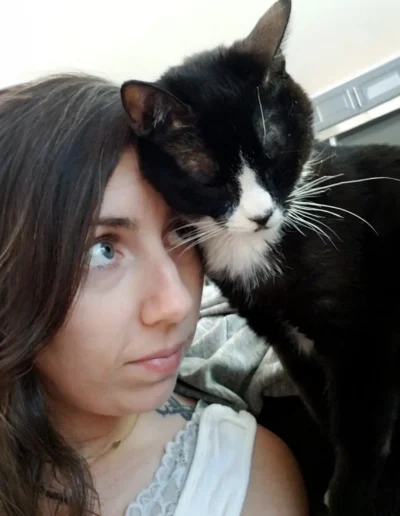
{"x":227,"y":363}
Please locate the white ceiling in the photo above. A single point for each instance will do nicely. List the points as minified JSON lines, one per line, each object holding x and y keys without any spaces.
{"x":329,"y":41}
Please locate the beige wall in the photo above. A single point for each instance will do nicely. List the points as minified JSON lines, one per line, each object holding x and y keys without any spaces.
{"x":334,"y":40}
{"x":120,"y":39}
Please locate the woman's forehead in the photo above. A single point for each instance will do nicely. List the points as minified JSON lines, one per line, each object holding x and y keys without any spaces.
{"x":129,"y":195}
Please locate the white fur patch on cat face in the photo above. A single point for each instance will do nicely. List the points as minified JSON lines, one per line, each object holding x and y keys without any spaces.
{"x":255,"y":203}
{"x":240,"y":255}
{"x":240,"y":249}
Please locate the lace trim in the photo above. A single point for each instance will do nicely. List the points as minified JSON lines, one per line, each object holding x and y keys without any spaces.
{"x":161,"y":497}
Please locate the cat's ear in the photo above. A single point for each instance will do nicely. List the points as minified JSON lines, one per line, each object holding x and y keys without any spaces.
{"x":150,"y":108}
{"x":265,"y":39}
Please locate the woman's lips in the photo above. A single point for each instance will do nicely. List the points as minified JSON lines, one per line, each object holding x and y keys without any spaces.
{"x":163,"y":361}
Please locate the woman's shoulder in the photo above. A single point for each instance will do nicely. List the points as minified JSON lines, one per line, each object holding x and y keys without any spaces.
{"x":254,"y":468}
{"x":219,"y":473}
{"x":275,"y":479}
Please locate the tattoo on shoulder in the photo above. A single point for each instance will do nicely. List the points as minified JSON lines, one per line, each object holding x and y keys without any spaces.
{"x":173,"y":406}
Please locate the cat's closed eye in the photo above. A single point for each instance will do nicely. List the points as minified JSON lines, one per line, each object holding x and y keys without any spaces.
{"x":190,"y":155}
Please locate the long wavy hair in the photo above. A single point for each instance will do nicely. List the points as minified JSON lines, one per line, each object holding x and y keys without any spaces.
{"x":60,"y":139}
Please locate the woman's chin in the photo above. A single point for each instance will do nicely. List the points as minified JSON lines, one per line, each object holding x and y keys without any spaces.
{"x":150,"y":397}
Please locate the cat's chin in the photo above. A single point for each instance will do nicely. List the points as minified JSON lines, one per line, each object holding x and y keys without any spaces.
{"x":246,"y":257}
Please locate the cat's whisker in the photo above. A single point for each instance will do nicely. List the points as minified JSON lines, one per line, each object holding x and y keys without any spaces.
{"x":201,"y":230}
{"x":209,"y":234}
{"x":200,"y":234}
{"x":195,"y":243}
{"x":315,"y":215}
{"x":311,"y":169}
{"x":296,"y":220}
{"x":312,"y":216}
{"x":207,"y":223}
{"x":188,"y":238}
{"x":308,"y":190}
{"x":262,"y":115}
{"x":196,"y":238}
{"x":216,"y":225}
{"x":201,"y":238}
{"x":197,"y":228}
{"x":197,"y":225}
{"x":305,"y":207}
{"x":305,"y":224}
{"x":186,"y":234}
{"x":309,"y":185}
{"x":306,"y":194}
{"x":185,"y":226}
{"x":318,"y":190}
{"x":319,"y":231}
{"x":290,"y":221}
{"x":365,"y":179}
{"x":320,"y":179}
{"x":299,"y":216}
{"x":316,"y":219}
{"x":316,"y":159}
{"x":332,"y":207}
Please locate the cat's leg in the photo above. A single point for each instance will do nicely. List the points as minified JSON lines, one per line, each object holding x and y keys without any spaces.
{"x":365,"y":402}
{"x":304,"y":370}
{"x":309,"y":378}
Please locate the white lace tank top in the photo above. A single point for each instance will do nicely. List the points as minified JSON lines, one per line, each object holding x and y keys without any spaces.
{"x":206,"y":465}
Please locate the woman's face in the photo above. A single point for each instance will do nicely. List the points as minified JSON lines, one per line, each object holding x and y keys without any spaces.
{"x":134,"y":315}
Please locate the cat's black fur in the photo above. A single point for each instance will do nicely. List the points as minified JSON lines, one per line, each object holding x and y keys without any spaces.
{"x":196,"y":125}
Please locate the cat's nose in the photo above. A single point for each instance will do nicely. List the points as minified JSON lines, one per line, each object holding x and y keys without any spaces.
{"x":262,"y":220}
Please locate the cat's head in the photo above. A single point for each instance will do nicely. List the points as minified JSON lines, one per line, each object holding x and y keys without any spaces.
{"x":224,"y":137}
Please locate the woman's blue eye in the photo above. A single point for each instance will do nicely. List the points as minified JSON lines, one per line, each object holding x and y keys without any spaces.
{"x":102,"y":254}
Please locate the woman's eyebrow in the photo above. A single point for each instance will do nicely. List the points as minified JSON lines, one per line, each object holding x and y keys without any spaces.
{"x":117,"y":222}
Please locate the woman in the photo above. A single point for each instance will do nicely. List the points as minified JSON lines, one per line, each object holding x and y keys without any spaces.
{"x":98,"y":308}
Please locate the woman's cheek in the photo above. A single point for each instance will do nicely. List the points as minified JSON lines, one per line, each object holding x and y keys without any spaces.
{"x":192,"y":275}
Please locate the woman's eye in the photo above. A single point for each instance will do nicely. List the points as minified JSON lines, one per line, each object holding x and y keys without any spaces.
{"x":102,"y":254}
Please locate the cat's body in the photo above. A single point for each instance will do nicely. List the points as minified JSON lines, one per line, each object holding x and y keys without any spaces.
{"x":299,"y":236}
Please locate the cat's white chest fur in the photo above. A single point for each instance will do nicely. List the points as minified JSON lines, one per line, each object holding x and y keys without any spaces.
{"x":239,"y":256}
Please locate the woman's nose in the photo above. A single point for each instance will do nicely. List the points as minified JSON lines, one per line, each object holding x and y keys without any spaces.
{"x":167,"y":300}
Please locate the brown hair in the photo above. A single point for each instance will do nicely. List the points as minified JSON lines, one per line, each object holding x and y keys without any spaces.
{"x":60,"y":140}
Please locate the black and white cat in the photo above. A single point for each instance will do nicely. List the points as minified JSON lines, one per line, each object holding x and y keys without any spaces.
{"x":299,"y":236}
